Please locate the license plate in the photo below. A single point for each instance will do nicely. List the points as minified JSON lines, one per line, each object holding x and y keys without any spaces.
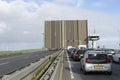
{"x":99,"y":67}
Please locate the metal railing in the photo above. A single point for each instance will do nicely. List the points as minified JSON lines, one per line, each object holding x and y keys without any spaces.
{"x":54,"y":72}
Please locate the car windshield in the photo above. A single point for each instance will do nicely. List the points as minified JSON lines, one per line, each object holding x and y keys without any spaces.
{"x":97,"y":56}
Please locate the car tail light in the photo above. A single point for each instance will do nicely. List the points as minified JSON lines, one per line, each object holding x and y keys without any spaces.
{"x":108,"y":60}
{"x":87,"y":60}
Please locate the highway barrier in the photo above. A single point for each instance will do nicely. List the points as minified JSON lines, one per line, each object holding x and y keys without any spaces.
{"x":54,"y":72}
{"x":58,"y":72}
{"x":41,"y":70}
{"x":34,"y":71}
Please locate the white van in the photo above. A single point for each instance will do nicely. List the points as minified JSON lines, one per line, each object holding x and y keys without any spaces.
{"x":69,"y":47}
{"x":82,"y":46}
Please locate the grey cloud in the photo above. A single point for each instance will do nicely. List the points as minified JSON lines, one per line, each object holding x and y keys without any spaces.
{"x":20,"y":19}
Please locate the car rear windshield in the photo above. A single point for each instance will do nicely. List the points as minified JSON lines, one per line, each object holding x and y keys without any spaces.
{"x":74,"y":50}
{"x":81,"y":51}
{"x":97,"y":56}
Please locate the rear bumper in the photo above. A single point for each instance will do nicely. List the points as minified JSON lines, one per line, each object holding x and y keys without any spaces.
{"x":76,"y":58}
{"x":91,"y":67}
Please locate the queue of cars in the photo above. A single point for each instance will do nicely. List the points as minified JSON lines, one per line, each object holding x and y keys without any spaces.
{"x":76,"y":54}
{"x":95,"y":60}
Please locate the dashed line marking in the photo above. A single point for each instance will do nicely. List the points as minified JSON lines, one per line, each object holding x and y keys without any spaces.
{"x":26,"y":57}
{"x":71,"y":72}
{"x":4,"y":63}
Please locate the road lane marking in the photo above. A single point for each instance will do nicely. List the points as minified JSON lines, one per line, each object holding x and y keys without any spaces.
{"x":71,"y":73}
{"x":36,"y":55}
{"x":4,"y":63}
{"x":26,"y":57}
{"x":7,"y":58}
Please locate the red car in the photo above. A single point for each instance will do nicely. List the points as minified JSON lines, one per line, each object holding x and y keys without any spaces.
{"x":77,"y":55}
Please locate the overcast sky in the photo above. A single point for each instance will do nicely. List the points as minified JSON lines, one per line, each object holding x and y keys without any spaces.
{"x":22,"y":21}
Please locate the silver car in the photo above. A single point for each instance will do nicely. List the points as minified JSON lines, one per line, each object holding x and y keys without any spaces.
{"x":116,"y":57}
{"x":95,"y":61}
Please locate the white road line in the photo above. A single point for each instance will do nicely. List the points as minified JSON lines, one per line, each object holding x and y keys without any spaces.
{"x":7,"y":58}
{"x":36,"y":55}
{"x":26,"y":57}
{"x":71,"y":73}
{"x":4,"y":63}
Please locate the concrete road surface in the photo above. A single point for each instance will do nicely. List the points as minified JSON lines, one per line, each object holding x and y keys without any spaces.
{"x":72,"y":71}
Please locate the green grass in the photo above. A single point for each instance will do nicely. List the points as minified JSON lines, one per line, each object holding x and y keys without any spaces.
{"x":10,"y":52}
{"x":17,"y":52}
{"x":29,"y":50}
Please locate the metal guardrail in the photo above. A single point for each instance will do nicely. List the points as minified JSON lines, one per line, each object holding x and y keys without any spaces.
{"x":45,"y":67}
{"x":57,"y":74}
{"x":54,"y":72}
{"x":31,"y":72}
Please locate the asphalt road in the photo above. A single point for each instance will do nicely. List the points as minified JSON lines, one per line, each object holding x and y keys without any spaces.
{"x":11,"y":64}
{"x":71,"y":71}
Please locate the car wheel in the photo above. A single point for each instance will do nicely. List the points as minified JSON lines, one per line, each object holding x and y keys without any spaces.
{"x":84,"y":71}
{"x":81,"y":69}
{"x":112,"y":59}
{"x":119,"y":60}
{"x":110,"y":73}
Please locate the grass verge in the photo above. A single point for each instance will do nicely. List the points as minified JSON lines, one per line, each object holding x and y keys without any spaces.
{"x":17,"y":52}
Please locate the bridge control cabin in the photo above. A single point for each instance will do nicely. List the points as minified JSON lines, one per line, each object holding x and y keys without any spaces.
{"x":93,"y":38}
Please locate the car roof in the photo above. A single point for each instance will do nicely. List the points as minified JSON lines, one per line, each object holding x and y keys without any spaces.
{"x":95,"y":51}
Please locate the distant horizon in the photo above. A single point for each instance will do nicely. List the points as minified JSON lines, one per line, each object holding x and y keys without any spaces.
{"x":20,"y":46}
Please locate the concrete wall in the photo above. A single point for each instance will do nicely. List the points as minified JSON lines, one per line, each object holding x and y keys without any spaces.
{"x":83,"y":32}
{"x":59,"y":34}
{"x":75,"y":33}
{"x":47,"y":36}
{"x":53,"y":34}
